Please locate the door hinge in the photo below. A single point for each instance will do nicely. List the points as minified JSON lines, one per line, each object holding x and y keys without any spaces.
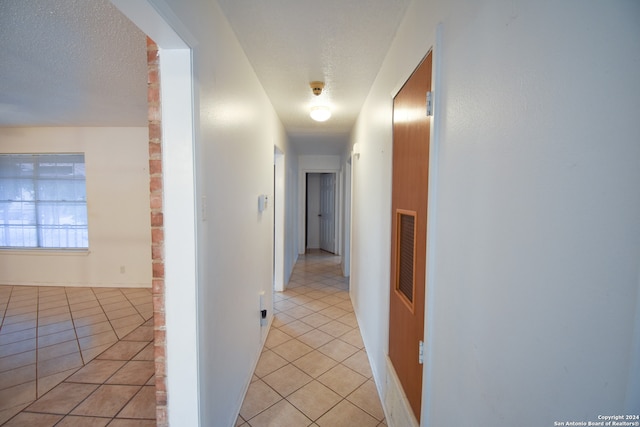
{"x":421,"y":352}
{"x":429,"y":104}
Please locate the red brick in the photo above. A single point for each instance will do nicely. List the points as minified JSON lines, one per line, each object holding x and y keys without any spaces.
{"x":157,"y":286}
{"x":153,"y":75}
{"x":155,"y":131}
{"x":155,"y":184}
{"x":158,"y":269}
{"x":156,"y":201}
{"x":153,"y":94}
{"x":157,"y":218}
{"x":157,"y":235}
{"x":155,"y":113}
{"x":155,"y":166}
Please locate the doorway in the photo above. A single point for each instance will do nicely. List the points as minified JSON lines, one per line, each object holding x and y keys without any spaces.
{"x":320,"y":220}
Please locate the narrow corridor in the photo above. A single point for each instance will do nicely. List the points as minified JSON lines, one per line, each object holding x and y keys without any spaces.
{"x":314,"y":370}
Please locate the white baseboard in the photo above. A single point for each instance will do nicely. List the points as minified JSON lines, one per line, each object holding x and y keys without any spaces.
{"x":395,"y":402}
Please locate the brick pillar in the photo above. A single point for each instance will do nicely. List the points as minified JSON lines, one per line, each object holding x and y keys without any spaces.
{"x":157,"y":230}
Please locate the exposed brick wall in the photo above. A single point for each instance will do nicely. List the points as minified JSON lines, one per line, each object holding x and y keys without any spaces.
{"x":157,"y":230}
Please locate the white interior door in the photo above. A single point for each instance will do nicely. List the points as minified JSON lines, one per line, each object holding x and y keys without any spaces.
{"x":327,"y":212}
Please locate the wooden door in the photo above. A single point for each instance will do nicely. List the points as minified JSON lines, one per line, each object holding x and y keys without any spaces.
{"x":411,"y":128}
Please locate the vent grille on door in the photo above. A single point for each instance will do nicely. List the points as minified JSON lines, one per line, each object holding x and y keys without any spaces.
{"x":406,"y":246}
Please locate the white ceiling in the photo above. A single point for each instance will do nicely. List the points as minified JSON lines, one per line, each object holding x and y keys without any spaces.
{"x":82,"y":63}
{"x":70,"y":63}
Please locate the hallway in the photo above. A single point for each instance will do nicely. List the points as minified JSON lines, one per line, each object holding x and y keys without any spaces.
{"x":313,"y":370}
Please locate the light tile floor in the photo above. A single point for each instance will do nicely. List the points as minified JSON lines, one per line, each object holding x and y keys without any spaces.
{"x":76,"y":356}
{"x":314,"y":370}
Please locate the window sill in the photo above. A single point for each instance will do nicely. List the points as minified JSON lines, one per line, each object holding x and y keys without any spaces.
{"x":45,"y":252}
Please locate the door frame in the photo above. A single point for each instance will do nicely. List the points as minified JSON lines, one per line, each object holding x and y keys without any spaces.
{"x":431,"y":282}
{"x":278,"y":219}
{"x":302,"y":193}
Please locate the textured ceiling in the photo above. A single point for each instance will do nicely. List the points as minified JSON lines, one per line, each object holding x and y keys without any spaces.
{"x":293,"y":42}
{"x":82,"y":63}
{"x":70,"y":63}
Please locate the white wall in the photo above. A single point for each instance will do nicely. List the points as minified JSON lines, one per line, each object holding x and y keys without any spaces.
{"x":533,"y":267}
{"x":117,"y":179}
{"x":235,"y":132}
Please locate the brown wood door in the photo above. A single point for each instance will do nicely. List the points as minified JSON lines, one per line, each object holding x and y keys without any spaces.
{"x":411,"y":128}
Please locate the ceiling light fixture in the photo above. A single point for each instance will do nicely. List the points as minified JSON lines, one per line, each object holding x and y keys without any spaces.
{"x":320,"y":113}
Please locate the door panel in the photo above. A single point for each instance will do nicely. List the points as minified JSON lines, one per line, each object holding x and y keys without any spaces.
{"x":411,"y":128}
{"x":327,"y":212}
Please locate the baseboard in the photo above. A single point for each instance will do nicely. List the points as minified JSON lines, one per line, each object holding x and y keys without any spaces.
{"x":395,"y":402}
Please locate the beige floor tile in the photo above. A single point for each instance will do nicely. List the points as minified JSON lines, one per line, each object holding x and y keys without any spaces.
{"x":292,"y":350}
{"x":106,"y":401}
{"x":102,"y":338}
{"x":33,"y":420}
{"x":268,"y":363}
{"x":133,"y":373}
{"x":57,"y":350}
{"x":141,"y":333}
{"x":17,"y":395}
{"x":342,"y":380}
{"x":366,"y":398}
{"x":276,"y":337}
{"x":93,"y":329}
{"x":315,"y":338}
{"x":17,"y":336}
{"x":299,"y":312}
{"x":53,"y":328}
{"x":316,"y":320}
{"x":50,"y":320}
{"x":316,"y":305}
{"x":58,"y":307}
{"x":134,"y":319}
{"x":354,"y":338}
{"x":359,"y":362}
{"x":47,"y":383}
{"x":314,"y":399}
{"x":8,"y":320}
{"x":77,"y":421}
{"x":118,"y":422}
{"x":282,"y":414}
{"x":59,"y":364}
{"x":338,"y":350}
{"x":56,"y":338}
{"x":89,"y":320}
{"x":345,"y":414}
{"x":259,"y":397}
{"x":18,"y":326}
{"x":147,"y":353}
{"x":349,"y":319}
{"x":6,"y":414}
{"x":89,"y":311}
{"x":62,"y":399}
{"x":143,"y":405}
{"x":333,"y":312}
{"x":287,"y":379}
{"x":17,"y":360}
{"x":295,"y":328}
{"x":17,"y":376}
{"x":91,"y":353}
{"x":315,"y":363}
{"x":123,"y":350}
{"x":97,"y":371}
{"x":335,"y":328}
{"x":17,"y":347}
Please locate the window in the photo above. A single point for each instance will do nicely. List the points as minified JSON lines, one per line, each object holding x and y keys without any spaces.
{"x":43,"y":202}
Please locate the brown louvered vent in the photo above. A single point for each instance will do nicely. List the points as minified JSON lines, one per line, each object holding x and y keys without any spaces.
{"x":406,"y":243}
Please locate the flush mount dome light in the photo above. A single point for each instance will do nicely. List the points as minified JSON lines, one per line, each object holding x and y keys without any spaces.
{"x":320,"y":113}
